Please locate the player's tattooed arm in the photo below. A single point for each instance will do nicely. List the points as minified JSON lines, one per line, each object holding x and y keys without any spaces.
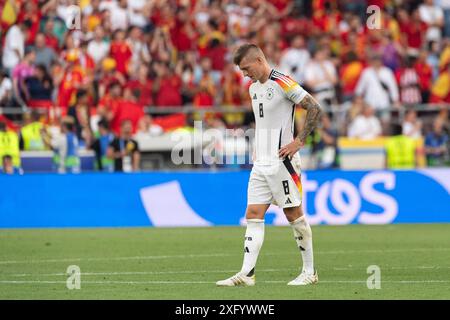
{"x":313,"y":114}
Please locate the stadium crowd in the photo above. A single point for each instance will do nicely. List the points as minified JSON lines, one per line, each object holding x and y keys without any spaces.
{"x":95,"y":73}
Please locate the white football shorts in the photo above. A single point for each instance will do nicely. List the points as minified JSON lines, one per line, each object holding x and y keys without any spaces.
{"x":276,"y":184}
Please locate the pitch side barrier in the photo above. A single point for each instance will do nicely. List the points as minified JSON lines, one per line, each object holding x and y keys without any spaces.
{"x":182,"y":199}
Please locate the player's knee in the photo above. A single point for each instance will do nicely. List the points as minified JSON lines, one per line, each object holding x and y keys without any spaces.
{"x":292,"y":213}
{"x":254,"y":213}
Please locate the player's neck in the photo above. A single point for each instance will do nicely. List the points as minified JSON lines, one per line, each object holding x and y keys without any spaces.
{"x":266,"y":74}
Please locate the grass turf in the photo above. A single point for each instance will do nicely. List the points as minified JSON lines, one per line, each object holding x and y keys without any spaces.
{"x":184,"y":263}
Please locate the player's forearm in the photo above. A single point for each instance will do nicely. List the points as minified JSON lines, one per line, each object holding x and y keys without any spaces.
{"x":313,"y":114}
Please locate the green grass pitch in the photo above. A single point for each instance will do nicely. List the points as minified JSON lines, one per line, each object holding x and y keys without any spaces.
{"x":185,"y":263}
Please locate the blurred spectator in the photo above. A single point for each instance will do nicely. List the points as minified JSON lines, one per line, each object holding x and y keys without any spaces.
{"x":413,"y":30}
{"x":400,"y":150}
{"x":436,"y":144}
{"x":124,"y":150}
{"x":128,"y":109}
{"x":239,"y":14}
{"x":295,"y":59}
{"x":14,"y":45}
{"x":139,"y":49}
{"x":8,"y":167}
{"x":433,"y":16}
{"x":212,"y":46}
{"x":63,"y":9}
{"x":412,"y":126}
{"x":6,"y":93}
{"x":391,"y":52}
{"x":233,"y":91}
{"x":65,"y":147}
{"x":353,"y":109}
{"x":445,"y":6}
{"x":32,"y":135}
{"x":321,"y":77}
{"x":138,"y":11}
{"x":143,"y":85}
{"x":325,"y":144}
{"x":167,"y":86}
{"x":409,"y":83}
{"x":147,"y":128}
{"x":80,"y":114}
{"x":424,"y":72}
{"x":44,"y":55}
{"x":9,"y":144}
{"x":121,"y":52}
{"x":39,"y":87}
{"x":185,"y":68}
{"x":100,"y":147}
{"x":216,"y":52}
{"x":434,"y":51}
{"x":105,"y":19}
{"x":109,"y":103}
{"x":108,"y":76}
{"x":119,"y":15}
{"x":69,"y":46}
{"x":87,"y":63}
{"x":215,"y":152}
{"x":183,"y":33}
{"x":349,"y":75}
{"x":204,"y":84}
{"x":98,"y":48}
{"x":272,"y":54}
{"x":20,"y":72}
{"x":91,"y":9}
{"x":73,"y":78}
{"x":51,"y":40}
{"x":161,"y":47}
{"x":378,"y":87}
{"x":54,"y":129}
{"x":355,"y":41}
{"x":365,"y":126}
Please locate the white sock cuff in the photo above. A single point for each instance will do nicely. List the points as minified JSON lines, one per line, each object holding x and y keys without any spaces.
{"x":255,"y":221}
{"x":298,"y":220}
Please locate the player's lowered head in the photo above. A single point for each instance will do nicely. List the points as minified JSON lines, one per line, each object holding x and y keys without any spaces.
{"x":252,"y":62}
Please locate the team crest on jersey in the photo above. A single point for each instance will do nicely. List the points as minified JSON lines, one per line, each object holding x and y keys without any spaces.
{"x":269,"y":93}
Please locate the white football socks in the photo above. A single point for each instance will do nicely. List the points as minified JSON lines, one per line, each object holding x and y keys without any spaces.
{"x":254,"y":238}
{"x":303,"y":237}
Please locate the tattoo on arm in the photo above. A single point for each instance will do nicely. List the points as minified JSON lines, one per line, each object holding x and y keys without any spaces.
{"x":313,"y":114}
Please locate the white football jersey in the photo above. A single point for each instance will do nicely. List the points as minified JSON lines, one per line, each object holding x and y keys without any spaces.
{"x":273,"y":105}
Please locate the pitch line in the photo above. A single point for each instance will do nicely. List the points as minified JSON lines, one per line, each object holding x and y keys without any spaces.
{"x":181,"y":256}
{"x":138,"y":273}
{"x":125,"y":273}
{"x":184,"y":256}
{"x":211,"y":282}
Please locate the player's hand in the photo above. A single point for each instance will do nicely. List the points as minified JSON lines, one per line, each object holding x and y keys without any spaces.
{"x":290,"y":149}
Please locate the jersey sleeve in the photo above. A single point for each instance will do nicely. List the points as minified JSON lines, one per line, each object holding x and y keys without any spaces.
{"x":289,"y":87}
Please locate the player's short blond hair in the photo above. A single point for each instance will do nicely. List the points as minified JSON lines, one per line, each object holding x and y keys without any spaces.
{"x":244,"y":50}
